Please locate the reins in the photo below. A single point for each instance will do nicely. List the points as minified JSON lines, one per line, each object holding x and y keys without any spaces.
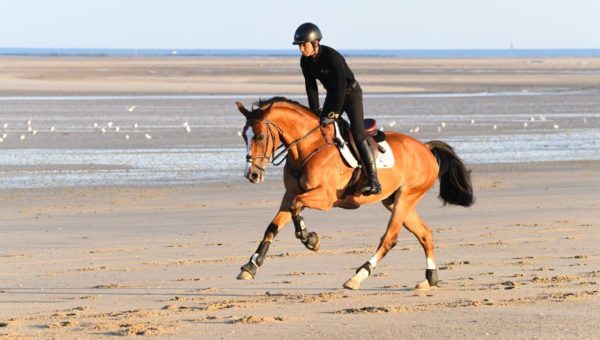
{"x":297,"y":141}
{"x":283,"y":153}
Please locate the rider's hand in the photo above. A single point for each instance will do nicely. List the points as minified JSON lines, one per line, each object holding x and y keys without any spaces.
{"x":328,"y":117}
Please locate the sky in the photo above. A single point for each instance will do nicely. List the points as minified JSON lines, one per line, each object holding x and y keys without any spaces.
{"x":270,"y":24}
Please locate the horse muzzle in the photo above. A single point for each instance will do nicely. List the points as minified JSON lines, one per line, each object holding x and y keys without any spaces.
{"x":254,"y":174}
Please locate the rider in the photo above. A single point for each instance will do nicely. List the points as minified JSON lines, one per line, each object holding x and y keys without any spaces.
{"x":343,"y":92}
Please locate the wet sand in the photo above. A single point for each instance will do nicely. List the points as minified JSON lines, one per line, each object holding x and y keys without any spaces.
{"x":86,"y":262}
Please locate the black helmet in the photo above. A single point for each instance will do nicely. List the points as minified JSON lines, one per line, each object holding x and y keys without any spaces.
{"x":307,"y":32}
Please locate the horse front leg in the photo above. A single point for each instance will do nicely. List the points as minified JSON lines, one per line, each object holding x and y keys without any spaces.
{"x":248,"y":271}
{"x":309,"y":239}
{"x":317,"y":198}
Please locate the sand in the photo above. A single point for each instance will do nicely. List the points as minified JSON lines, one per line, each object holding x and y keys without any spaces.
{"x":89,"y":262}
{"x":182,"y":75}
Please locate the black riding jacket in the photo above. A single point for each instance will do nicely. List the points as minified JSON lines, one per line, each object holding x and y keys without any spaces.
{"x":333,"y":72}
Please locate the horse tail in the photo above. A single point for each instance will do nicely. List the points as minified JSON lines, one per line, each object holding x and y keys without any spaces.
{"x":455,"y":178}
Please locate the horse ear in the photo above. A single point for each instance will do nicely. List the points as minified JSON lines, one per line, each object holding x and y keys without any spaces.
{"x":242,"y":109}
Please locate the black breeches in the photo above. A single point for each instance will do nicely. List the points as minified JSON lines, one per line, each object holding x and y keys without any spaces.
{"x":353,"y":106}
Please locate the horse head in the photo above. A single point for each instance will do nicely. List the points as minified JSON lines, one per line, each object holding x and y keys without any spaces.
{"x":262,"y":137}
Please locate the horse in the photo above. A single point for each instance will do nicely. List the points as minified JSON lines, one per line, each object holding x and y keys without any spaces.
{"x":316,"y":177}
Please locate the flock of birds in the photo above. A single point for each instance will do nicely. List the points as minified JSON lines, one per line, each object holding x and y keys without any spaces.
{"x":102,"y":129}
{"x":443,"y":124}
{"x":29,"y":129}
{"x":135,"y":127}
{"x":392,"y":124}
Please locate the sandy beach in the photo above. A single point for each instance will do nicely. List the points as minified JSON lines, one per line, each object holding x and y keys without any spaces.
{"x":104,"y":261}
{"x":282,"y":75}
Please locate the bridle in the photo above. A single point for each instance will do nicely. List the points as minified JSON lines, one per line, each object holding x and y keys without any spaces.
{"x":270,"y":136}
{"x":279,"y":157}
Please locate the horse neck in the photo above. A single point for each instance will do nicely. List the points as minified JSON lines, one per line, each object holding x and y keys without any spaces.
{"x":296,"y":123}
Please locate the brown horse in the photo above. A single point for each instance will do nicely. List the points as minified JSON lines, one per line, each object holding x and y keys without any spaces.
{"x":315,"y":176}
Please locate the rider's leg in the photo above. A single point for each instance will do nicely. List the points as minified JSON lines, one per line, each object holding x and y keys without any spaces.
{"x":354,"y":108}
{"x":366,"y":153}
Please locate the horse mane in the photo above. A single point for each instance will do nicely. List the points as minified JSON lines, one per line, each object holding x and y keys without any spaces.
{"x":263,"y":104}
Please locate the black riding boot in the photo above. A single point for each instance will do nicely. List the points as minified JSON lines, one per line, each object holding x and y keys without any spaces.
{"x":373,"y":187}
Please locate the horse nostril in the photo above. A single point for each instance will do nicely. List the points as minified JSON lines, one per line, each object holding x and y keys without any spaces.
{"x":254,"y":175}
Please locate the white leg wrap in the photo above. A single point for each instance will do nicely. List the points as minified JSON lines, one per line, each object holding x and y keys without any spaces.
{"x":361,"y":275}
{"x":253,"y":259}
{"x":430,"y":263}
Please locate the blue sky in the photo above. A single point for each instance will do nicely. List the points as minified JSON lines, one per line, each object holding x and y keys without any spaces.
{"x":269,"y":24}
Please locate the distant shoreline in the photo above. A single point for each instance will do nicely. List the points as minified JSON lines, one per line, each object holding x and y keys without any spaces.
{"x":291,"y":52}
{"x":261,"y":76}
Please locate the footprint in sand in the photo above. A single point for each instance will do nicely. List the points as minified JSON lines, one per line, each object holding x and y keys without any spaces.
{"x":423,"y":287}
{"x":296,"y":274}
{"x":252,"y":319}
{"x":61,"y":324}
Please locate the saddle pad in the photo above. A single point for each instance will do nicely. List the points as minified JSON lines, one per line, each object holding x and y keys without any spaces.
{"x":383,"y":160}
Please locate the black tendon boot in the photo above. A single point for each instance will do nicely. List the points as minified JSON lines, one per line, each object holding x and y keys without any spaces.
{"x":373,"y":187}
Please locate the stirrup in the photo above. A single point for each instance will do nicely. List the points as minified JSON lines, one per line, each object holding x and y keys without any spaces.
{"x":370,"y":189}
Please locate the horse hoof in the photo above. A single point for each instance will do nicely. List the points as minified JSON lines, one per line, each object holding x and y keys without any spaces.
{"x":352,"y":284}
{"x":244,"y":275}
{"x":312,"y":242}
{"x":431,"y":276}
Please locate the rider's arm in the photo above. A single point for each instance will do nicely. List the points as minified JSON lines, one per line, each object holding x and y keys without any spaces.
{"x":310,"y":82}
{"x":336,"y":94}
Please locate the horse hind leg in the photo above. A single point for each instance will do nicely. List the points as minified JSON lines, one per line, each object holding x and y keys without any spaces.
{"x":423,"y":233}
{"x":388,"y":241}
{"x":388,"y":203}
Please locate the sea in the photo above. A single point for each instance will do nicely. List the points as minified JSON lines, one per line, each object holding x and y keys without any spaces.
{"x":292,"y":52}
{"x":195,"y":139}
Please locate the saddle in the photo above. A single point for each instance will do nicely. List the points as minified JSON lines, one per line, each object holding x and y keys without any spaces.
{"x":384,"y":157}
{"x":347,"y":145}
{"x":373,"y":135}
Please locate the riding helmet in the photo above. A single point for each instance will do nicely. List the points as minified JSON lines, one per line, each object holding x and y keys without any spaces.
{"x":307,"y":32}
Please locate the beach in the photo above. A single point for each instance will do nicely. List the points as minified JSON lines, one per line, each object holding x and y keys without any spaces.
{"x":105,"y":236}
{"x":282,"y":75}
